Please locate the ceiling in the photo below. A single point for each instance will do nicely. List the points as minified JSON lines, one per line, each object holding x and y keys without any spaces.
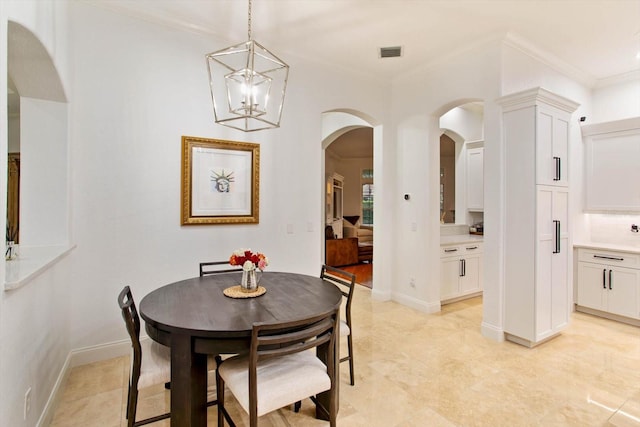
{"x":596,"y":39}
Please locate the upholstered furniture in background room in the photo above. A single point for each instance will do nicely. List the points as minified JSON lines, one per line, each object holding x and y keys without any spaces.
{"x":278,"y":371}
{"x":351,"y":227}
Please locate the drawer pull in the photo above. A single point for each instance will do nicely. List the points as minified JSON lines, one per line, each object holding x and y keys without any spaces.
{"x":472,"y":248}
{"x":451,"y":250}
{"x":608,"y":257}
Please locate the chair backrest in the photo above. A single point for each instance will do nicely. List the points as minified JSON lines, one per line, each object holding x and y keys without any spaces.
{"x":215,"y":267}
{"x":132,"y":321}
{"x":345,"y":281}
{"x":284,"y":338}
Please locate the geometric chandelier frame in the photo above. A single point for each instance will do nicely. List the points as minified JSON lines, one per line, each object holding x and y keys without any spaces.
{"x":248,"y":85}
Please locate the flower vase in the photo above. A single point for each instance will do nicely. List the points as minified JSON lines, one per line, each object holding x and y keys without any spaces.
{"x":249,"y":281}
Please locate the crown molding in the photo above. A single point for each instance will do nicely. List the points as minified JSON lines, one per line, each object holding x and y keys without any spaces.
{"x":519,"y":43}
{"x":536,"y":96}
{"x":617,"y":79}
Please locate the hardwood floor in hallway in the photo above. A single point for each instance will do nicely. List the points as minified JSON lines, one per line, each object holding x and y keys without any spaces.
{"x":363,"y":272}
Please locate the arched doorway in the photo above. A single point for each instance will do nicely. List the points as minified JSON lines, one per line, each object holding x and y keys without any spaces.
{"x":359,"y":137}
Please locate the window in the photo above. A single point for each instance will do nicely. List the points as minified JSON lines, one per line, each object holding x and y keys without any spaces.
{"x":367,"y":196}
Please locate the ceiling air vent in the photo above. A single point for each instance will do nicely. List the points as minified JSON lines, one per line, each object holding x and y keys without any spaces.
{"x":390,"y":52}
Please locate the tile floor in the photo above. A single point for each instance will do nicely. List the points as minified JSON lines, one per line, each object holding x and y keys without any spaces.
{"x":416,"y":369}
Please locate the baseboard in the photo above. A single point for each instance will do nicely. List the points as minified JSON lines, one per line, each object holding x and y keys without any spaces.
{"x":56,"y":394}
{"x":97,"y":353}
{"x":426,"y":307}
{"x":380,"y":295}
{"x":78,"y":357}
{"x":606,"y":315}
{"x":491,"y":331}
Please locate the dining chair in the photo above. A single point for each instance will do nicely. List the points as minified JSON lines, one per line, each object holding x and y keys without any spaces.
{"x":345,"y":281}
{"x":150,"y":361}
{"x":215,"y":267}
{"x":278,"y":371}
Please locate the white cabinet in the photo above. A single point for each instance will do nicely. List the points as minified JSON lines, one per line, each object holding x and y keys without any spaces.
{"x":460,"y":270}
{"x":609,"y":282}
{"x":335,"y":184}
{"x":537,"y":256}
{"x":475,"y":179}
{"x":552,"y":146}
{"x":612,"y":173}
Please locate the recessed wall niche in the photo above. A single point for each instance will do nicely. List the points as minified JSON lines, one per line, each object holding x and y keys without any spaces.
{"x":37,"y":118}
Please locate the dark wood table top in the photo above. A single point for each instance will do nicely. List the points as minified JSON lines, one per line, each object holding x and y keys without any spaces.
{"x":198,"y":307}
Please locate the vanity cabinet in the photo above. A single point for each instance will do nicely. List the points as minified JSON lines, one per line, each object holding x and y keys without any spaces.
{"x":609,"y":282}
{"x":460,"y":270}
{"x":612,"y":150}
{"x":537,"y":257}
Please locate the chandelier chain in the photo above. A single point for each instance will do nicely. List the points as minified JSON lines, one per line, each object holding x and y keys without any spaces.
{"x":249,"y":20}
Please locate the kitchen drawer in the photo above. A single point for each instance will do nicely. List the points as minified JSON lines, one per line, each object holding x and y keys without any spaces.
{"x":461,"y":250}
{"x":613,"y":258}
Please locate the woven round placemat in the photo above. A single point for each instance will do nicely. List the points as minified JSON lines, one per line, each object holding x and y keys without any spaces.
{"x":237,"y":292}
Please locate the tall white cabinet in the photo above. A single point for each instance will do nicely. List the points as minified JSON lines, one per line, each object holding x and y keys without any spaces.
{"x":536,"y":126}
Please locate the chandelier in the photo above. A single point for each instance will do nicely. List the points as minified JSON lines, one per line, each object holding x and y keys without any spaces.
{"x":248,"y":85}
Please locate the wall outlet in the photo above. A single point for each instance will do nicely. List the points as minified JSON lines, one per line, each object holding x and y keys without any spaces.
{"x":412,"y":282}
{"x":27,"y":402}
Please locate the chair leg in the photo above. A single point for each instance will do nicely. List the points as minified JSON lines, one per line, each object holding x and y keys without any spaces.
{"x":131,"y":406}
{"x":297,"y":406}
{"x":167,"y":385}
{"x":350,"y":345}
{"x":220,"y":398}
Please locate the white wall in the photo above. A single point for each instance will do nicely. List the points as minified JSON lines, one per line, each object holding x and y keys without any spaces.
{"x":616,"y":101}
{"x":127,"y":173}
{"x":419,"y":99}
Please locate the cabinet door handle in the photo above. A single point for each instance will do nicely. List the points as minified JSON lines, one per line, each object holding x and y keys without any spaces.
{"x":604,"y":279}
{"x":608,"y":257}
{"x":558,"y":168}
{"x":451,"y":250}
{"x":557,"y":249}
{"x":464,"y":267}
{"x":610,"y":279}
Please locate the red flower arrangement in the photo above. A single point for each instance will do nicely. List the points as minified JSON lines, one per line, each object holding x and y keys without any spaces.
{"x":249,"y":260}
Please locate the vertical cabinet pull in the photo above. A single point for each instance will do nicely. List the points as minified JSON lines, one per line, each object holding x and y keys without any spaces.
{"x":557,"y":248}
{"x":463,"y":268}
{"x":604,"y":279}
{"x":610,"y":279}
{"x":558,"y":163}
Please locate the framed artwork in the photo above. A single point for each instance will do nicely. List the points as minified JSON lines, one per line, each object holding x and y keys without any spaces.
{"x":220,"y":181}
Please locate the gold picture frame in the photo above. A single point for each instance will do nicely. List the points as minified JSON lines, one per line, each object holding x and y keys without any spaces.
{"x":220,"y":181}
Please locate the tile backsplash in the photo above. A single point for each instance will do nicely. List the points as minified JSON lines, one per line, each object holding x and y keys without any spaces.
{"x":614,"y":229}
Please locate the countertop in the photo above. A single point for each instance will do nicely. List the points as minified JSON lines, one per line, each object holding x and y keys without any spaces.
{"x":607,"y":246}
{"x":460,"y":239}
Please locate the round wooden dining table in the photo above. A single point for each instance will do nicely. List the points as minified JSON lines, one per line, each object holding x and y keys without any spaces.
{"x":196,"y":320}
